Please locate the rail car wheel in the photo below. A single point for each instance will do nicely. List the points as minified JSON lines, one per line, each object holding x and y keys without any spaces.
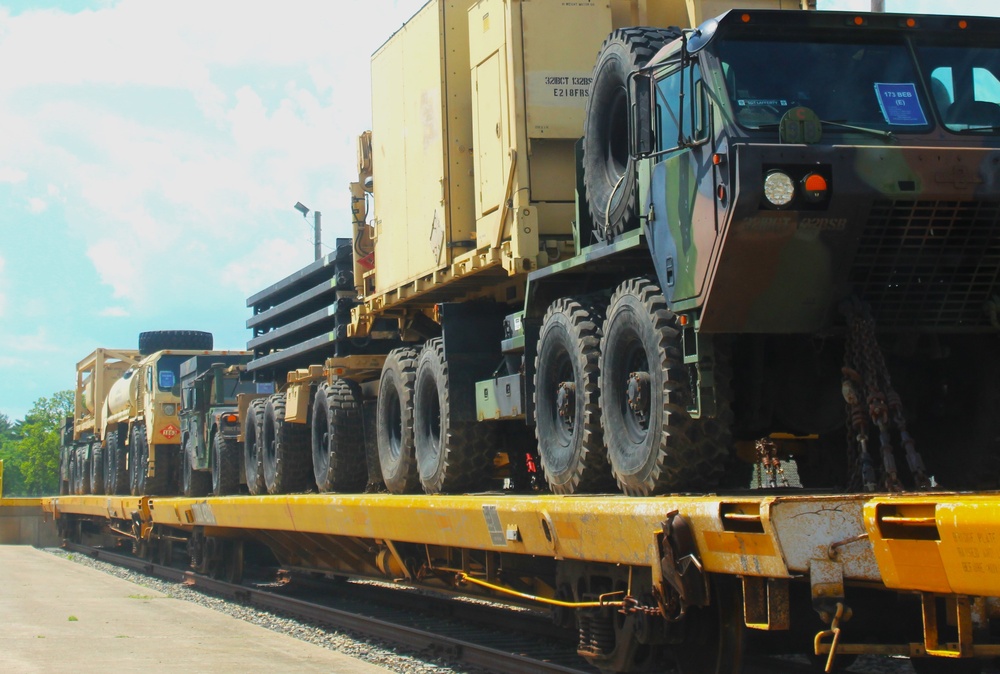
{"x":713,"y":637}
{"x":609,"y":170}
{"x":225,"y":465}
{"x":253,"y":466}
{"x":96,"y":469}
{"x":338,"y":440}
{"x":285,"y":450}
{"x":567,"y":398}
{"x":452,"y":456}
{"x":194,"y":483}
{"x":394,"y":422}
{"x":653,"y":444}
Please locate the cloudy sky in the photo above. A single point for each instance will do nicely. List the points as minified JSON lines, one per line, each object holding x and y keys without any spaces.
{"x":150,"y":155}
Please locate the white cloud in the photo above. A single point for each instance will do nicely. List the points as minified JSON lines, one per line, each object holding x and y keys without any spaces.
{"x":36,"y":342}
{"x":36,"y":205}
{"x":12,"y":175}
{"x":113,"y":312}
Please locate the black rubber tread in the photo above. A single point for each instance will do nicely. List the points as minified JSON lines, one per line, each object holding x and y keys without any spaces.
{"x":225,"y":478}
{"x":158,"y":340}
{"x":96,"y":469}
{"x":713,"y":436}
{"x":83,"y":465}
{"x":286,"y":455}
{"x":194,"y":483}
{"x":116,"y":477}
{"x":606,"y":147}
{"x":451,"y":456}
{"x":253,"y":468}
{"x":142,"y":485}
{"x":577,"y":461}
{"x":338,"y":438}
{"x":394,"y":422}
{"x":661,"y":458}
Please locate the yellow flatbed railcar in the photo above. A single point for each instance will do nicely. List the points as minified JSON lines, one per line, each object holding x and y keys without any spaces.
{"x":933,"y":557}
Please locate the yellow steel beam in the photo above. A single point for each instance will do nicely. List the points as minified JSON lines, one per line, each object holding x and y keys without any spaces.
{"x":771,"y":536}
{"x":943,"y":543}
{"x":111,"y":507}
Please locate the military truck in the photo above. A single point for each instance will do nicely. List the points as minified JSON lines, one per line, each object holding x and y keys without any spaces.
{"x":81,"y":461}
{"x":778,"y":237}
{"x":140,"y":431}
{"x":209,"y":421}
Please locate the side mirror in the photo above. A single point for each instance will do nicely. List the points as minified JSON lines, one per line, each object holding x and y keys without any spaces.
{"x":642,"y":115}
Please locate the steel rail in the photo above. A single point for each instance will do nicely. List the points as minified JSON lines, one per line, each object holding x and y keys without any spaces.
{"x":458,"y":650}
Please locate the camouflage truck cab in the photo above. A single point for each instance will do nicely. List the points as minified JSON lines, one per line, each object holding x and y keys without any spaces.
{"x":209,"y":420}
{"x":784,"y":208}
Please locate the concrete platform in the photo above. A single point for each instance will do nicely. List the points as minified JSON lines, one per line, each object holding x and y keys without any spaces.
{"x":58,"y":616}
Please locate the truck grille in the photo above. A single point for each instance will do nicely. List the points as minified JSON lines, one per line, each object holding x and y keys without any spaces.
{"x":929,"y":263}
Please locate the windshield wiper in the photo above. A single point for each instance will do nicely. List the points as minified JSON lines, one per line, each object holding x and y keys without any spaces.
{"x":886,"y":135}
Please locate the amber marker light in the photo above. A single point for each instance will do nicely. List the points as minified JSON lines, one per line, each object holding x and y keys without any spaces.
{"x":814,"y":187}
{"x":859,"y":21}
{"x":745,"y":18}
{"x":682,"y":320}
{"x":718,"y":158}
{"x":963,"y":24}
{"x":910,"y":23}
{"x":230,"y":418}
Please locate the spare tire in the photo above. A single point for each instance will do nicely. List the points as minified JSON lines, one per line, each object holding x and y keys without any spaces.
{"x":609,"y":173}
{"x":187,"y":340}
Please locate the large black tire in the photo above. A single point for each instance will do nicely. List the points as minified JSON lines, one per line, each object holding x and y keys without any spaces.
{"x":452,"y":456}
{"x":96,"y":469}
{"x":394,"y":422}
{"x":141,"y":484}
{"x":225,"y":465}
{"x":194,"y":483}
{"x":83,"y":470}
{"x":116,"y":469}
{"x":253,"y":431}
{"x":653,"y":444}
{"x":158,"y":340}
{"x":73,"y":486}
{"x":286,"y":456}
{"x":338,"y":438}
{"x":567,"y":398}
{"x":609,"y":173}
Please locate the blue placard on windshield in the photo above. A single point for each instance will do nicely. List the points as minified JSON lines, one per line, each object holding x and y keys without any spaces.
{"x":167,"y":379}
{"x":900,"y":104}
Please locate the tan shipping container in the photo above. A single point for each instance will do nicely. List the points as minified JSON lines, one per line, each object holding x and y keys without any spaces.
{"x":476,"y":110}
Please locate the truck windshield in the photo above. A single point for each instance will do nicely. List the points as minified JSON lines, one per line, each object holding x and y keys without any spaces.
{"x":964,"y":83}
{"x":876,"y":86}
{"x":167,"y":368}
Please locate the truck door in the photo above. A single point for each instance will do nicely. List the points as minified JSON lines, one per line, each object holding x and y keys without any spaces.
{"x":682,"y":226}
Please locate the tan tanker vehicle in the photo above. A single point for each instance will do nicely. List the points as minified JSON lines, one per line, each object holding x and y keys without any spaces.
{"x":125,"y":434}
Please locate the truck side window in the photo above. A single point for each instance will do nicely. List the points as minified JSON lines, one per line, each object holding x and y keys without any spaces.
{"x":670,"y":114}
{"x":966,"y":102}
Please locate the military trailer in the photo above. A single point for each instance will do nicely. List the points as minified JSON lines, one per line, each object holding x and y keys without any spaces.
{"x":209,"y":421}
{"x":776,"y":240}
{"x":81,"y":433}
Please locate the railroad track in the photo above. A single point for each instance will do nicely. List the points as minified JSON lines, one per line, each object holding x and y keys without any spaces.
{"x":413,"y":619}
{"x":489,"y":657}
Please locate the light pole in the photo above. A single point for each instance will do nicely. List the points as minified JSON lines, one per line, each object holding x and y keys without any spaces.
{"x":317,"y":239}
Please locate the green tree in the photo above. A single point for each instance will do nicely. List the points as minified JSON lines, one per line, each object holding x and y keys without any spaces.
{"x":30,"y":448}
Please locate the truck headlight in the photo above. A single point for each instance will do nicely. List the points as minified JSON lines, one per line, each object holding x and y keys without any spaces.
{"x":170,"y":409}
{"x":779,"y":190}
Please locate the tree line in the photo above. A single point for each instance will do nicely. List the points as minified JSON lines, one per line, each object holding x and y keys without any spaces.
{"x":29,"y":447}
